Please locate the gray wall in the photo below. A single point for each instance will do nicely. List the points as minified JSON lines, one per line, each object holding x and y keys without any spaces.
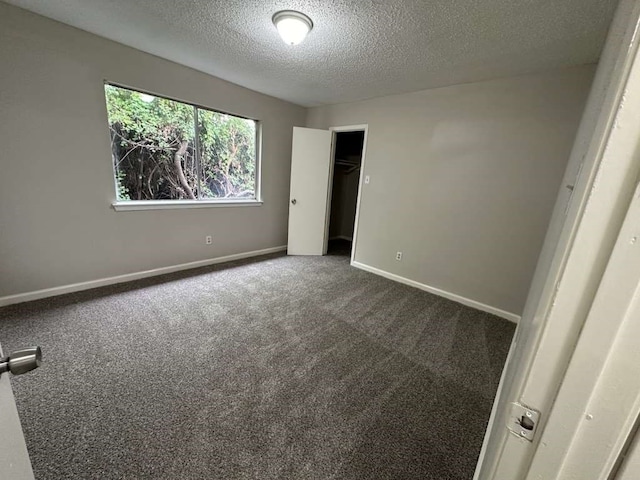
{"x":464,"y":179}
{"x":57,"y":226}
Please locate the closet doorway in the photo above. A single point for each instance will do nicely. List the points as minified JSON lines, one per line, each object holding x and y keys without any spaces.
{"x":348,"y":147}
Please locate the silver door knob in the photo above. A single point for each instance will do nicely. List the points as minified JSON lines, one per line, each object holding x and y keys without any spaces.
{"x":22,"y":361}
{"x":294,"y":201}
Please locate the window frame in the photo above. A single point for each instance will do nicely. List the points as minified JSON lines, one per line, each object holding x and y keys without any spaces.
{"x":124,"y":205}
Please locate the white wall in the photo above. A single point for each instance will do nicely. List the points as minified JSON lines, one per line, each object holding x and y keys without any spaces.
{"x":57,"y":226}
{"x":464,"y":179}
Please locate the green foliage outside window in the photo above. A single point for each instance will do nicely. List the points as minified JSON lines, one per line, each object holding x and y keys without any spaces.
{"x":160,"y":152}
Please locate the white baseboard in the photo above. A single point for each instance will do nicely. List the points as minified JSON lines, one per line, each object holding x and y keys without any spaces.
{"x":76,"y":287}
{"x":512,"y":317}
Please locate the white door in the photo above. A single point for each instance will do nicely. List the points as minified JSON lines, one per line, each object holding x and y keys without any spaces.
{"x":309,"y":194}
{"x":14,"y":459}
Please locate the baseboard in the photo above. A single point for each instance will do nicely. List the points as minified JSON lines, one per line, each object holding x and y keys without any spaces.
{"x":342,"y":237}
{"x":512,"y":317}
{"x":76,"y":287}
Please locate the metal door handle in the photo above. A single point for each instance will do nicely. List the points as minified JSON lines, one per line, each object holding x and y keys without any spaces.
{"x":22,"y":361}
{"x":294,"y":201}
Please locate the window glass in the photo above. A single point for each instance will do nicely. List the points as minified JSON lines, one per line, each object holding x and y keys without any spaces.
{"x":161,"y":152}
{"x":227,"y":155}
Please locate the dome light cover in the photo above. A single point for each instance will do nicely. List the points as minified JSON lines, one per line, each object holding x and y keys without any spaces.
{"x":292,"y":26}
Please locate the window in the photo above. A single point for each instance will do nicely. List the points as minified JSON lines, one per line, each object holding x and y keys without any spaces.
{"x":164,"y":150}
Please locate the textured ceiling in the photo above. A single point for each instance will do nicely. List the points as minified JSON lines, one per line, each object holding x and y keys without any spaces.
{"x":358,"y":48}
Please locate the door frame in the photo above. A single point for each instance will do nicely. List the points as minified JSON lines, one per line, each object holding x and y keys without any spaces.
{"x":334,"y":131}
{"x":598,"y":403}
{"x":572,"y":265}
{"x":629,"y":467}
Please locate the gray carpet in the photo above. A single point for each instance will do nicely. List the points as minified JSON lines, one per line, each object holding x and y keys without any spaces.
{"x":274,"y":368}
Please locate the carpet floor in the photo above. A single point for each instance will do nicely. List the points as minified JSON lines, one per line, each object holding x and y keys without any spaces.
{"x":271,"y":368}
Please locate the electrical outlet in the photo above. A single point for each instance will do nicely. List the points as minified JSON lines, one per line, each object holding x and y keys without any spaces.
{"x":208,"y":240}
{"x":398,"y":256}
{"x":367,"y":179}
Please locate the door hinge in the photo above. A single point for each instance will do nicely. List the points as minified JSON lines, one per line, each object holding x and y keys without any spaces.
{"x":523,"y":421}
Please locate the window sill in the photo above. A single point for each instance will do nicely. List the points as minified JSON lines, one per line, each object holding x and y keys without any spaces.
{"x":177,"y":204}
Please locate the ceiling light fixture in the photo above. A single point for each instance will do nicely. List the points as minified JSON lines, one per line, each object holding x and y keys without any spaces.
{"x":292,"y":26}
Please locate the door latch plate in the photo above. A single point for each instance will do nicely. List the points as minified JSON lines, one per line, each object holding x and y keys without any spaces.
{"x":523,"y":421}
